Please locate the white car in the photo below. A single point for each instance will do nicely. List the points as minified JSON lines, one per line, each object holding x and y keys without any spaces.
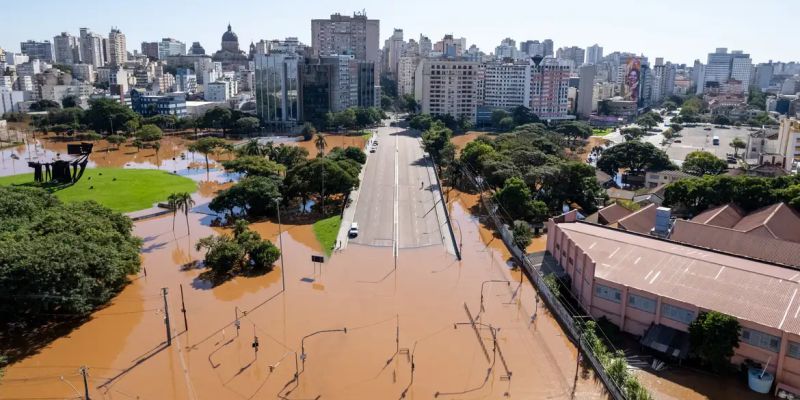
{"x":353,"y":232}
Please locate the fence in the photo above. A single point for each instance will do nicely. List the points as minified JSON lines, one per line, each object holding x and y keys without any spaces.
{"x":444,"y":206}
{"x":551,"y":301}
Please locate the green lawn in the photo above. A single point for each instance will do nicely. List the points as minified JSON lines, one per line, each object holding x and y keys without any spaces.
{"x":122,"y":190}
{"x":326,"y":231}
{"x":601,"y":132}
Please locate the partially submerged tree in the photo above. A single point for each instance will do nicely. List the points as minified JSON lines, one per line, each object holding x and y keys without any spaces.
{"x":713,"y":336}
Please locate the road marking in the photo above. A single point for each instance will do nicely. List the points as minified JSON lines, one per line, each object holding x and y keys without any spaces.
{"x":396,"y":200}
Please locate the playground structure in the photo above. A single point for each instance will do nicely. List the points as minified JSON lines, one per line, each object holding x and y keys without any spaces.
{"x":58,"y":170}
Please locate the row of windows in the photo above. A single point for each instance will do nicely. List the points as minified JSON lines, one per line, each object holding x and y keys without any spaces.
{"x":765,"y":341}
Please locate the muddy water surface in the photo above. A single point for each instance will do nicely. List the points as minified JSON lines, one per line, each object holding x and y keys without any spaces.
{"x":392,"y":313}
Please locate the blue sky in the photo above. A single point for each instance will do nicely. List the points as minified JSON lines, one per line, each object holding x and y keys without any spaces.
{"x":678,"y":30}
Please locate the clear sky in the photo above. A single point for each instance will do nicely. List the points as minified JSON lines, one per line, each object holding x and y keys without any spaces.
{"x":678,"y":30}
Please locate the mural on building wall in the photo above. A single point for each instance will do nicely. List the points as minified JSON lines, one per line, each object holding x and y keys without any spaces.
{"x":633,"y":73}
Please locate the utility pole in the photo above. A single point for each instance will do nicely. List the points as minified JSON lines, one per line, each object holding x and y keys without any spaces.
{"x":166,"y":316}
{"x":85,"y":382}
{"x":280,"y":240}
{"x":183,"y":310}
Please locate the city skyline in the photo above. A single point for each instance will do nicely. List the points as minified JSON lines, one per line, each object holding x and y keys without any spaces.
{"x":683,"y":39}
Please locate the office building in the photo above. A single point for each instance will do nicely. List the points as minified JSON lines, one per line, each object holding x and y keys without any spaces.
{"x":506,"y":49}
{"x":532,"y":48}
{"x":66,"y":49}
{"x":117,"y":47}
{"x":185,"y":80}
{"x":406,"y":70}
{"x":447,"y":87}
{"x":315,"y":96}
{"x":37,"y":50}
{"x":663,"y":84}
{"x":764,"y":74}
{"x":548,"y":47}
{"x":92,"y":48}
{"x":151,"y":50}
{"x":549,"y":89}
{"x":425,"y":46}
{"x":277,"y":90}
{"x":217,"y":91}
{"x":150,"y":105}
{"x":594,"y":54}
{"x":170,"y":47}
{"x":587,"y":75}
{"x":723,"y":66}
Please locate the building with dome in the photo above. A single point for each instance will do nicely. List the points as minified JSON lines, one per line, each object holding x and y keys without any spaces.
{"x":230,"y":55}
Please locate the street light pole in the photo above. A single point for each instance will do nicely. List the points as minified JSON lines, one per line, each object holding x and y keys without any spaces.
{"x":280,"y":241}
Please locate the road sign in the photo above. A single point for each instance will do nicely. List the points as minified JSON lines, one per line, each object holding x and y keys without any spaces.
{"x":317,"y":259}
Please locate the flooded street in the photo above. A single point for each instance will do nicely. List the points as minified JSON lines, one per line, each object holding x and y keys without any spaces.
{"x":390,"y":314}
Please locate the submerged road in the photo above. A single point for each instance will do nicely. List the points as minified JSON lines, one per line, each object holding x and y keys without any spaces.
{"x":398,"y":203}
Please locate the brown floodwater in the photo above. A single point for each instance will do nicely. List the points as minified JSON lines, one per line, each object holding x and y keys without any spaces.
{"x":391,"y":313}
{"x":173,"y":155}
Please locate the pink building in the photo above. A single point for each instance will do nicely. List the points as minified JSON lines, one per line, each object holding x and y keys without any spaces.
{"x":641,"y":282}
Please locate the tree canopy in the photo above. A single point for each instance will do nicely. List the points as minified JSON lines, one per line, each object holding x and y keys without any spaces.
{"x":703,"y":163}
{"x":748,"y":192}
{"x":243,"y":252}
{"x":60,"y":259}
{"x":713,"y":336}
{"x":253,"y":196}
{"x":635,"y":156}
{"x":105,"y":114}
{"x":253,"y":166}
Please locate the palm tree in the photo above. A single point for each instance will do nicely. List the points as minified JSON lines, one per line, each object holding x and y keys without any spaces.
{"x":185,"y":203}
{"x":251,"y":148}
{"x":157,"y":146}
{"x":172,"y":203}
{"x":320,"y":143}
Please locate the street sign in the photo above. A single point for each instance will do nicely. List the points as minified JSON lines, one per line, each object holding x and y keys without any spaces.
{"x":317,"y":259}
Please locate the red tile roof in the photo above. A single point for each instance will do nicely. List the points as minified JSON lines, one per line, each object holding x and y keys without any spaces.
{"x":611,"y":214}
{"x":641,"y":221}
{"x":725,"y":216}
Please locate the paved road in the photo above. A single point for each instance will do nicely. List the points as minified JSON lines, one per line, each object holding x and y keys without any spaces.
{"x":396,"y":200}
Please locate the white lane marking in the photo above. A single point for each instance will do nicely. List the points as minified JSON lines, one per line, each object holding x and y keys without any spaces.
{"x":719,"y":272}
{"x":655,"y":277}
{"x":787,"y":309}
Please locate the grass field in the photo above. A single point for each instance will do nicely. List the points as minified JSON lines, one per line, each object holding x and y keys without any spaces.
{"x":122,"y":190}
{"x":326,"y":231}
{"x":601,"y":132}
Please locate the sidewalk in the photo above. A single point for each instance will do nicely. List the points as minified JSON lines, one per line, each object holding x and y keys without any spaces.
{"x":350,"y":211}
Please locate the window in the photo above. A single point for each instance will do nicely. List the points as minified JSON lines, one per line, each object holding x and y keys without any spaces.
{"x":794,"y":350}
{"x":608,"y":293}
{"x":676,"y":313}
{"x":642,"y":303}
{"x":761,"y":339}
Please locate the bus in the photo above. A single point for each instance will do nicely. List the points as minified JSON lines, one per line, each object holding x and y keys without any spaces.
{"x":715,"y":141}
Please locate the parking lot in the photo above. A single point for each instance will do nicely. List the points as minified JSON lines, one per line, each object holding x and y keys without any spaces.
{"x":698,"y":138}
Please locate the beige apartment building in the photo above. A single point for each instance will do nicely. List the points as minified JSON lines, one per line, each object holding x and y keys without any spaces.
{"x":447,"y":87}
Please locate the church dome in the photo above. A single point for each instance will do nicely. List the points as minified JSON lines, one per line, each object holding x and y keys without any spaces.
{"x":229,"y":36}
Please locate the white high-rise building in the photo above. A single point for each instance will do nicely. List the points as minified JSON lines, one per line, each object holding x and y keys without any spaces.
{"x":507,"y":49}
{"x":67,"y":49}
{"x":742,"y":69}
{"x":392,"y":51}
{"x":406,"y":70}
{"x":117,"y":47}
{"x":789,"y":144}
{"x":594,"y":54}
{"x":92,"y":48}
{"x":447,"y":87}
{"x":723,"y":66}
{"x":425,"y":46}
{"x":170,"y":47}
{"x":342,"y":34}
{"x":506,"y":85}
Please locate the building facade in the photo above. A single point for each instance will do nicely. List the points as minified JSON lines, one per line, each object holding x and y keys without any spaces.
{"x":150,"y":105}
{"x":447,"y":87}
{"x":117,"y":47}
{"x":92,"y":48}
{"x":550,"y":89}
{"x":170,"y":47}
{"x":66,"y":49}
{"x":506,"y":85}
{"x":277,"y":90}
{"x":37,"y":50}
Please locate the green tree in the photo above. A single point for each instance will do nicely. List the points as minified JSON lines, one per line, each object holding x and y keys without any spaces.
{"x":435,"y":140}
{"x":703,"y":163}
{"x":246,"y":125}
{"x":208,"y":145}
{"x":116,"y":140}
{"x":218,"y":118}
{"x":647,"y":121}
{"x":253,"y":165}
{"x":172,"y":205}
{"x":308,"y":131}
{"x":506,"y":124}
{"x":635,"y":156}
{"x":515,"y":198}
{"x":632,"y":133}
{"x":498,"y":115}
{"x":244,"y":252}
{"x":131,"y":126}
{"x":251,"y":148}
{"x":254,"y":195}
{"x":107,"y":115}
{"x":288,"y":156}
{"x":184,"y":202}
{"x":523,"y":115}
{"x":149,"y":133}
{"x":43,"y":105}
{"x":669,"y":105}
{"x":722,"y":120}
{"x":523,"y":234}
{"x":737,"y":144}
{"x":713,"y":336}
{"x":574,"y":130}
{"x":320,"y":143}
{"x":676,"y":128}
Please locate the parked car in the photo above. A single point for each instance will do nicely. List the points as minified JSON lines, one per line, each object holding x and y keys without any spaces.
{"x":353,"y":232}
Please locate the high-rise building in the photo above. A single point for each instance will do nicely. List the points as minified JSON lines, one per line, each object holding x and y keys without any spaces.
{"x":406,"y":70}
{"x":425,"y":46}
{"x":67,"y":49}
{"x":506,"y":85}
{"x":549,"y":89}
{"x":587,"y":73}
{"x":450,"y":47}
{"x":277,"y":90}
{"x":663,"y":80}
{"x":507,"y":49}
{"x":185,"y":80}
{"x":594,"y":54}
{"x":789,"y":144}
{"x":37,"y":50}
{"x":392,"y":51}
{"x":574,"y":54}
{"x":117,"y":47}
{"x":92,"y":48}
{"x":764,"y":73}
{"x":83,"y":72}
{"x":342,"y":34}
{"x":197,"y":49}
{"x":170,"y":47}
{"x":548,"y":47}
{"x":150,"y":49}
{"x":532,"y":48}
{"x":723,"y":66}
{"x":447,"y":87}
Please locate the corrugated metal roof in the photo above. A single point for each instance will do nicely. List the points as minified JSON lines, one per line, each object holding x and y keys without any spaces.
{"x":726,"y":216}
{"x":750,"y":290}
{"x":613,"y":213}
